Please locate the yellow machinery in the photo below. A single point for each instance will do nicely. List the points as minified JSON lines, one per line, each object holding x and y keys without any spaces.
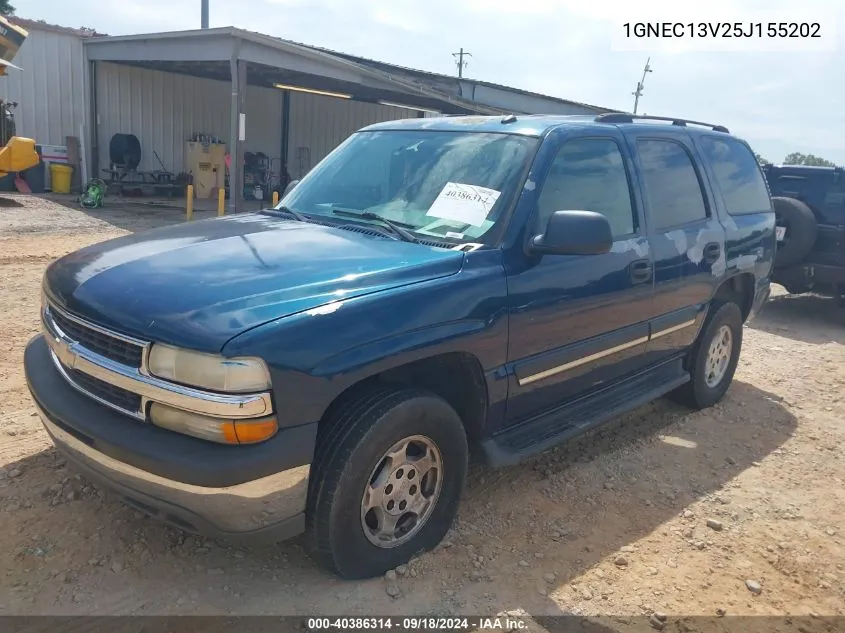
{"x":17,"y":153}
{"x":207,"y":164}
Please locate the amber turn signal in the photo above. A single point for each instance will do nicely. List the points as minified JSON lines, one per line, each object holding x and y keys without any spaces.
{"x":223,"y":431}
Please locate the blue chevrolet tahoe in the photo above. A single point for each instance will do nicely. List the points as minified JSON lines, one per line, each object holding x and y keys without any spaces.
{"x":432,"y":286}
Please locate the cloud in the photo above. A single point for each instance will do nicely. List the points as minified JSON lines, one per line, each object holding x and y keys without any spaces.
{"x":780,"y":102}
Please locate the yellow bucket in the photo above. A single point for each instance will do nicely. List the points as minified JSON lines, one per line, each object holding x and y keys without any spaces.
{"x":60,"y":178}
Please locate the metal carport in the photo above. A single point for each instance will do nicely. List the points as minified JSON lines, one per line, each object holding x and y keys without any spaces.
{"x":245,"y":58}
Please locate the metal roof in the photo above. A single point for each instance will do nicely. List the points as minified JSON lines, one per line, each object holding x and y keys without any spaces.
{"x":425,"y":84}
{"x":207,"y":52}
{"x":450,"y":78}
{"x":411,"y":81}
{"x":41,"y":25}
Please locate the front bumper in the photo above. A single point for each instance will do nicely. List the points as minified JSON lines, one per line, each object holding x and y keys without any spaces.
{"x":232,"y":492}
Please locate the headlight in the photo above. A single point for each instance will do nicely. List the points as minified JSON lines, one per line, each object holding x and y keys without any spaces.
{"x":215,"y":429}
{"x":209,"y":371}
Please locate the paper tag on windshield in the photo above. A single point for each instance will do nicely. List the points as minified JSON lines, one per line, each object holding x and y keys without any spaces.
{"x":469,"y":204}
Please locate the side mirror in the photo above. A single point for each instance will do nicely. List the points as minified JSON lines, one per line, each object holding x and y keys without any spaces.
{"x":289,"y":188}
{"x":574,"y":233}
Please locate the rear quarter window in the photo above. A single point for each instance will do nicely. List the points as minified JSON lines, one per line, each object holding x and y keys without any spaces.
{"x":738,"y":175}
{"x":835,"y":195}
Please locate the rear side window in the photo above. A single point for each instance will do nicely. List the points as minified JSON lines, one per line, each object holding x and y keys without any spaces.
{"x":671,"y":182}
{"x":737,"y":175}
{"x":835,"y":196}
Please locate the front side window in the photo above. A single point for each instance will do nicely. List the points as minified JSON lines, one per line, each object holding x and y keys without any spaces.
{"x":449,"y":185}
{"x":671,"y":182}
{"x":737,"y":175}
{"x":588,"y":175}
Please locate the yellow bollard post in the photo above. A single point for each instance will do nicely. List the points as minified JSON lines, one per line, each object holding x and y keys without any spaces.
{"x":189,"y":202}
{"x":221,"y":201}
{"x":275,"y":198}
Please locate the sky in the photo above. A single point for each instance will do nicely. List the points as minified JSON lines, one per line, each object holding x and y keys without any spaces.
{"x":782,"y":95}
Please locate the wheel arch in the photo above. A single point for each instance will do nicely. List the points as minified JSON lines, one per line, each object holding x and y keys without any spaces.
{"x":738,"y":289}
{"x":457,"y":377}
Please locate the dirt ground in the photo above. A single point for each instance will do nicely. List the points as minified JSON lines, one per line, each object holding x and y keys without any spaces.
{"x":614,"y":523}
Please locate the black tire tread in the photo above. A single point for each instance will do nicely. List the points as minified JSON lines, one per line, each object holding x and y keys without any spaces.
{"x":686,"y":394}
{"x":803,"y":229}
{"x":333,"y":451}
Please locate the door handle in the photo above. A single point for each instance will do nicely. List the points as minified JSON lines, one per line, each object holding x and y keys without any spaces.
{"x":712,"y":250}
{"x":640,"y":271}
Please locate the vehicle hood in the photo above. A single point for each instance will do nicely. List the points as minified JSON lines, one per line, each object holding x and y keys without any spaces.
{"x":198,"y":284}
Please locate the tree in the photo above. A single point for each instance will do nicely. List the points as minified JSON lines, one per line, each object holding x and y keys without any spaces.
{"x":797,"y":158}
{"x":6,"y":8}
{"x":761,"y":160}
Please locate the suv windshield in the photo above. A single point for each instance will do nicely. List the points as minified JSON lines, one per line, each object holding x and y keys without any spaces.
{"x":447,"y":185}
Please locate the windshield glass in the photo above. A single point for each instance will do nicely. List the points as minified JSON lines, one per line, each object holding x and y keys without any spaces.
{"x":447,"y":185}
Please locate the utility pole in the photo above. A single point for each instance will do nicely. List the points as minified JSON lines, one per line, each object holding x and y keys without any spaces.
{"x":204,"y":14}
{"x":639,"y":91}
{"x":460,"y":61}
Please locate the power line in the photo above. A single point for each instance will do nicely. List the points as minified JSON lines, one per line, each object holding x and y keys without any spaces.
{"x":459,"y":60}
{"x":640,"y":85}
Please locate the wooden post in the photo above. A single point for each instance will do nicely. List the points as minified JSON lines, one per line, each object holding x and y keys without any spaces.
{"x":221,"y":201}
{"x":275,"y":198}
{"x":189,"y":202}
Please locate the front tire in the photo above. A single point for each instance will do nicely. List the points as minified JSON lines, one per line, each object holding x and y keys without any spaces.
{"x":714,"y":358}
{"x":386,"y":481}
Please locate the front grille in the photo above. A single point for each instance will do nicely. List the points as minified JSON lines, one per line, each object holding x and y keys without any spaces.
{"x":98,"y":342}
{"x":126,"y":400}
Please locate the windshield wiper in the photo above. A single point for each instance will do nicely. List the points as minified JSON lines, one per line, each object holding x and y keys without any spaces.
{"x":289,"y":211}
{"x":369,"y":215}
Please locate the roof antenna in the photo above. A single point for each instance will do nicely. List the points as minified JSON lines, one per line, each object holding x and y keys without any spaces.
{"x":509,"y":118}
{"x":204,"y":14}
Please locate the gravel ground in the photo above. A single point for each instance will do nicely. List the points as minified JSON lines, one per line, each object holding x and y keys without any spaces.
{"x":737,"y":509}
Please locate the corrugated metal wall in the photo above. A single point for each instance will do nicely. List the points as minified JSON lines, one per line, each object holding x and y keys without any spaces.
{"x":319,"y":124}
{"x":51,"y":88}
{"x":165,"y":109}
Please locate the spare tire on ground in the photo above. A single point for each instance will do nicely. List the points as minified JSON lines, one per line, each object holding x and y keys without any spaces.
{"x":801,"y":229}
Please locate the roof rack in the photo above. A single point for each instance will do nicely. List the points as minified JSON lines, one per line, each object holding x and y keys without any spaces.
{"x":619,"y":117}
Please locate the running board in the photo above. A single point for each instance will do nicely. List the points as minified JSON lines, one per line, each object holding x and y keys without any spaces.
{"x":550,"y":429}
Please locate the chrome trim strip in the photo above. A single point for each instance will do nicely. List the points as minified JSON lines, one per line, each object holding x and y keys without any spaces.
{"x":92,"y":326}
{"x":75,"y":356}
{"x":598,"y":355}
{"x":139,"y":415}
{"x":674,"y":328}
{"x":581,"y":361}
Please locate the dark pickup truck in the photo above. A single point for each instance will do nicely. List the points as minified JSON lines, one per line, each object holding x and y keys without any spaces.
{"x":809,"y":207}
{"x":432,"y":286}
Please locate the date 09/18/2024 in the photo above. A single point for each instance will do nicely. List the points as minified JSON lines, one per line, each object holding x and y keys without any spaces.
{"x":417,"y":623}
